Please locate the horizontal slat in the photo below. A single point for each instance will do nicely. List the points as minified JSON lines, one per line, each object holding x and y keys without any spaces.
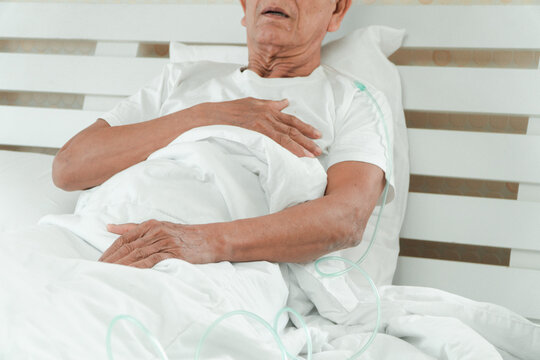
{"x":516,"y":289}
{"x":525,"y":259}
{"x":425,"y":88}
{"x":474,"y":90}
{"x":472,"y":220}
{"x":93,"y":75}
{"x":468,"y":26}
{"x":488,"y":27}
{"x":101,"y":103}
{"x":123,"y":22}
{"x":449,"y":26}
{"x":27,"y":126}
{"x":475,"y":155}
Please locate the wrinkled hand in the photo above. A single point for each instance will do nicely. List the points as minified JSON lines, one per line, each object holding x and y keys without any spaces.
{"x":266,"y":117}
{"x":144,"y":245}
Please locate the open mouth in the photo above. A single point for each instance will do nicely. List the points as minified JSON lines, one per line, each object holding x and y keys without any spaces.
{"x":275,"y":12}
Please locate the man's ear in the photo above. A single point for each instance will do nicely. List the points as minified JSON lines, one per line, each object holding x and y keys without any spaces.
{"x":342,"y":6}
{"x":243,"y":21}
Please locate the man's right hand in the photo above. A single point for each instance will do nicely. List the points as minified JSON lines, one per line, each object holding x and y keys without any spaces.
{"x":266,"y":117}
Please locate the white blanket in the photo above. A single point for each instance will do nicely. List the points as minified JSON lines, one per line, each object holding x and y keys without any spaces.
{"x":57,"y":301}
{"x":208,"y":174}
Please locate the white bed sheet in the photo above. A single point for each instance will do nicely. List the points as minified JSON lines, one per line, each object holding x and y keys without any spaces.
{"x":58,"y":301}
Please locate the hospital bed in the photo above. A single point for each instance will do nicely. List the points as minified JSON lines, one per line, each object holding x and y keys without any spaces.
{"x":118,"y":67}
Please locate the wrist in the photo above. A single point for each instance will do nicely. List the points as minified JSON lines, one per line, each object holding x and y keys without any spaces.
{"x":202,"y":114}
{"x":216,"y":235}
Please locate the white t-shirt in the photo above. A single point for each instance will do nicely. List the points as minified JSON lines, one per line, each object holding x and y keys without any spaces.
{"x":351,"y":127}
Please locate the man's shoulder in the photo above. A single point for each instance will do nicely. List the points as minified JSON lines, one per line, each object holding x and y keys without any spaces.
{"x":348,"y":86}
{"x":338,"y":78}
{"x":342,"y":86}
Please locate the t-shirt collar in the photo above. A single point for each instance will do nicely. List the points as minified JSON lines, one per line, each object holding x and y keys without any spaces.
{"x":245,"y":73}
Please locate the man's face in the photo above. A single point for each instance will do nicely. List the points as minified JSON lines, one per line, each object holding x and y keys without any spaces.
{"x":289,"y":24}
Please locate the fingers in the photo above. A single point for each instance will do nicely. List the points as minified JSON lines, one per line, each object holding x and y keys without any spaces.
{"x":135,"y":233}
{"x":293,"y":121}
{"x":133,"y":252}
{"x":293,"y":133}
{"x":121,"y":229}
{"x":267,"y":118}
{"x":280,"y":104}
{"x":150,"y":261}
{"x":137,"y":255}
{"x":124,"y":251}
{"x":293,"y":140}
{"x":303,"y":127}
{"x":297,"y":131}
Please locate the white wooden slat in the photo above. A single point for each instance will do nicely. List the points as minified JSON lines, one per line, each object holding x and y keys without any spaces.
{"x":28,"y":126}
{"x":516,"y":289}
{"x":425,"y":88}
{"x":110,"y":48}
{"x":101,"y":103}
{"x":528,"y":192}
{"x":525,"y":259}
{"x":533,"y":127}
{"x":479,"y":27}
{"x":471,"y":90}
{"x":472,"y":220}
{"x":123,"y":22}
{"x":118,"y":76}
{"x":512,"y":27}
{"x":474,"y":155}
{"x":107,"y":48}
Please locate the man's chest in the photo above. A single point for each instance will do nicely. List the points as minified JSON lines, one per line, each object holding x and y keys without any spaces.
{"x":311,"y":103}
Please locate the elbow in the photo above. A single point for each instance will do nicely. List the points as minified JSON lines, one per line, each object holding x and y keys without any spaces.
{"x":355,"y":238}
{"x":347,"y":226}
{"x":354,"y":227}
{"x":60,"y":174}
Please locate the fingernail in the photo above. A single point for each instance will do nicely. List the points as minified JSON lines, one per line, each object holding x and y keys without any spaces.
{"x":318,"y":133}
{"x":307,"y":153}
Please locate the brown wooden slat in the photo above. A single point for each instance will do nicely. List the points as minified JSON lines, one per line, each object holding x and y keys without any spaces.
{"x":463,"y":187}
{"x":518,"y":59}
{"x":455,"y":252}
{"x":466,"y":122}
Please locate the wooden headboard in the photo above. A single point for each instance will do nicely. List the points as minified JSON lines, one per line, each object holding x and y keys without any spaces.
{"x":115,"y":71}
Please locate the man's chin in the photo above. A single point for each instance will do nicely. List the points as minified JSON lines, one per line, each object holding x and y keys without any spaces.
{"x":273,"y":37}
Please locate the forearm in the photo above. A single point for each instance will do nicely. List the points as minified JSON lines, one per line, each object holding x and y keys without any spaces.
{"x":301,"y":233}
{"x":305,"y":232}
{"x":94,"y":155}
{"x":100,"y":151}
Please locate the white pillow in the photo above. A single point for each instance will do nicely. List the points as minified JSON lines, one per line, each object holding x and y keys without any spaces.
{"x":362,"y":55}
{"x":27,"y":192}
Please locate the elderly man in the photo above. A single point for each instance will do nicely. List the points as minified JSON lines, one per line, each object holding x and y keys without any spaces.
{"x":284,"y":93}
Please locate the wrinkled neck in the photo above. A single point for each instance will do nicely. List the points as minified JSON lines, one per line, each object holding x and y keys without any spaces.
{"x":274,"y":63}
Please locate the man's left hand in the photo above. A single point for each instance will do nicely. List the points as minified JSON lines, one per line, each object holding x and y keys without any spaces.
{"x":144,"y":245}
